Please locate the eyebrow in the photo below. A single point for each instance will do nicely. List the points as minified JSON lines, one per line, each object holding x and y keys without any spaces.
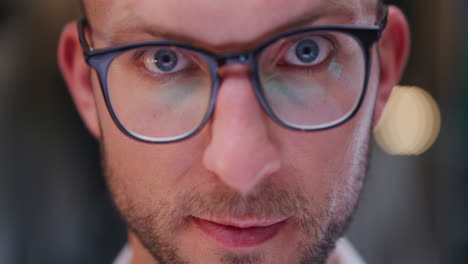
{"x":132,"y":24}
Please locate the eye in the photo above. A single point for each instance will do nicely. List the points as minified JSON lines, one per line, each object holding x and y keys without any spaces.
{"x":308,"y":52}
{"x":164,"y":60}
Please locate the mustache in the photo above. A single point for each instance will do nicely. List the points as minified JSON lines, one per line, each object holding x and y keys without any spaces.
{"x":267,"y":202}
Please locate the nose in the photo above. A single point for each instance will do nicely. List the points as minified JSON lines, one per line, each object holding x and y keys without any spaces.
{"x":241,"y":152}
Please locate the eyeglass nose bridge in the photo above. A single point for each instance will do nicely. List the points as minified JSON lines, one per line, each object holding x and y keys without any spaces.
{"x":234,"y":58}
{"x":235,"y":62}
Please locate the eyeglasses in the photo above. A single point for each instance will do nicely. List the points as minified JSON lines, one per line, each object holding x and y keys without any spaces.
{"x":309,"y":79}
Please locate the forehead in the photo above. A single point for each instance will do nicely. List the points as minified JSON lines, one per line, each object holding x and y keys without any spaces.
{"x":217,"y":22}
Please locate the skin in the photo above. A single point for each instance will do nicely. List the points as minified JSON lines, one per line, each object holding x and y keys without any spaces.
{"x":242,"y":165}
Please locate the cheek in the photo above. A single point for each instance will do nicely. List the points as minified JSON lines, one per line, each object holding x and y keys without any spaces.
{"x":331,"y":157}
{"x":144,"y":170}
{"x":316,"y":165}
{"x":327,"y":163}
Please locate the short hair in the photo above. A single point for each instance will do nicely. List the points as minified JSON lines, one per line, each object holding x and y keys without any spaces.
{"x":380,"y":4}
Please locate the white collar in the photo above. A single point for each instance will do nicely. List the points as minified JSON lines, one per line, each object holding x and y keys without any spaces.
{"x":344,"y":253}
{"x":125,"y":255}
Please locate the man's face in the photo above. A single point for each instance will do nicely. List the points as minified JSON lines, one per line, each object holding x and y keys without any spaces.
{"x":244,"y":189}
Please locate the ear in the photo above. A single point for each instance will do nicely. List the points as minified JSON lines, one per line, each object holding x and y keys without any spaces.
{"x":393,"y":51}
{"x":77,"y":75}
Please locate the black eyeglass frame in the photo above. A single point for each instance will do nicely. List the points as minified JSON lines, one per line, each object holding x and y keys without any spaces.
{"x":101,"y":60}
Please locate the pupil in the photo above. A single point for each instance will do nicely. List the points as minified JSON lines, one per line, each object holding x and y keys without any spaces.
{"x":165,"y":60}
{"x":307,"y":50}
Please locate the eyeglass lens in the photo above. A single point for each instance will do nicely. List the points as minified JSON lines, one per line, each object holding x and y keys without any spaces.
{"x":308,"y":81}
{"x":159,"y":92}
{"x":313,"y":79}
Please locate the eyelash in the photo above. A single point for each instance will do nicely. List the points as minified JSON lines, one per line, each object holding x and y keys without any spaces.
{"x":306,"y":69}
{"x":138,"y":61}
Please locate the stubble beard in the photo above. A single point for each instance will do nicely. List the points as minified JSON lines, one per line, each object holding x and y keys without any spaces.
{"x":320,"y":226}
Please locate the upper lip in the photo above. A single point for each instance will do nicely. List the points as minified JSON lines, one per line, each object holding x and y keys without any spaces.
{"x":243,"y":223}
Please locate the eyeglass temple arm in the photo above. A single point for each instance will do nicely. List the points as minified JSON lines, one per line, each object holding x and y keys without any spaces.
{"x":87,"y":49}
{"x":382,"y":16}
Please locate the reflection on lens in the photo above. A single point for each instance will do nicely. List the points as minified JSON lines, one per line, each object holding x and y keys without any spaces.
{"x":318,"y":91}
{"x":159,"y":96}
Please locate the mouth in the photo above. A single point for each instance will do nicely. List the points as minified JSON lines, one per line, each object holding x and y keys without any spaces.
{"x":240,"y":234}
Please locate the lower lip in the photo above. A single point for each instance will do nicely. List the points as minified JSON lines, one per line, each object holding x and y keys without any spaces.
{"x":233,"y":237}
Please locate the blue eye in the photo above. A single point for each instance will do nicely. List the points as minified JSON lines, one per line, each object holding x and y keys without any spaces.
{"x":164,"y":60}
{"x":308,"y":52}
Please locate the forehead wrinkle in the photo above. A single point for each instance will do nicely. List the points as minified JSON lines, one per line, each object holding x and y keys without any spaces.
{"x":369,"y":9}
{"x":362,"y":11}
{"x":101,"y":15}
{"x":129,"y":23}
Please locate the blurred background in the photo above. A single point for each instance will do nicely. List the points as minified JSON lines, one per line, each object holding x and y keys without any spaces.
{"x":54,"y":207}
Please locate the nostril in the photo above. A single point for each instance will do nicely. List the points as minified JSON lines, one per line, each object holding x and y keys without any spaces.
{"x":269,"y":168}
{"x":240,"y":152}
{"x":237,"y":170}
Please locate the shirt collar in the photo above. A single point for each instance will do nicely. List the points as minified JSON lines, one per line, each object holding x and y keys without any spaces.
{"x":344,"y":253}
